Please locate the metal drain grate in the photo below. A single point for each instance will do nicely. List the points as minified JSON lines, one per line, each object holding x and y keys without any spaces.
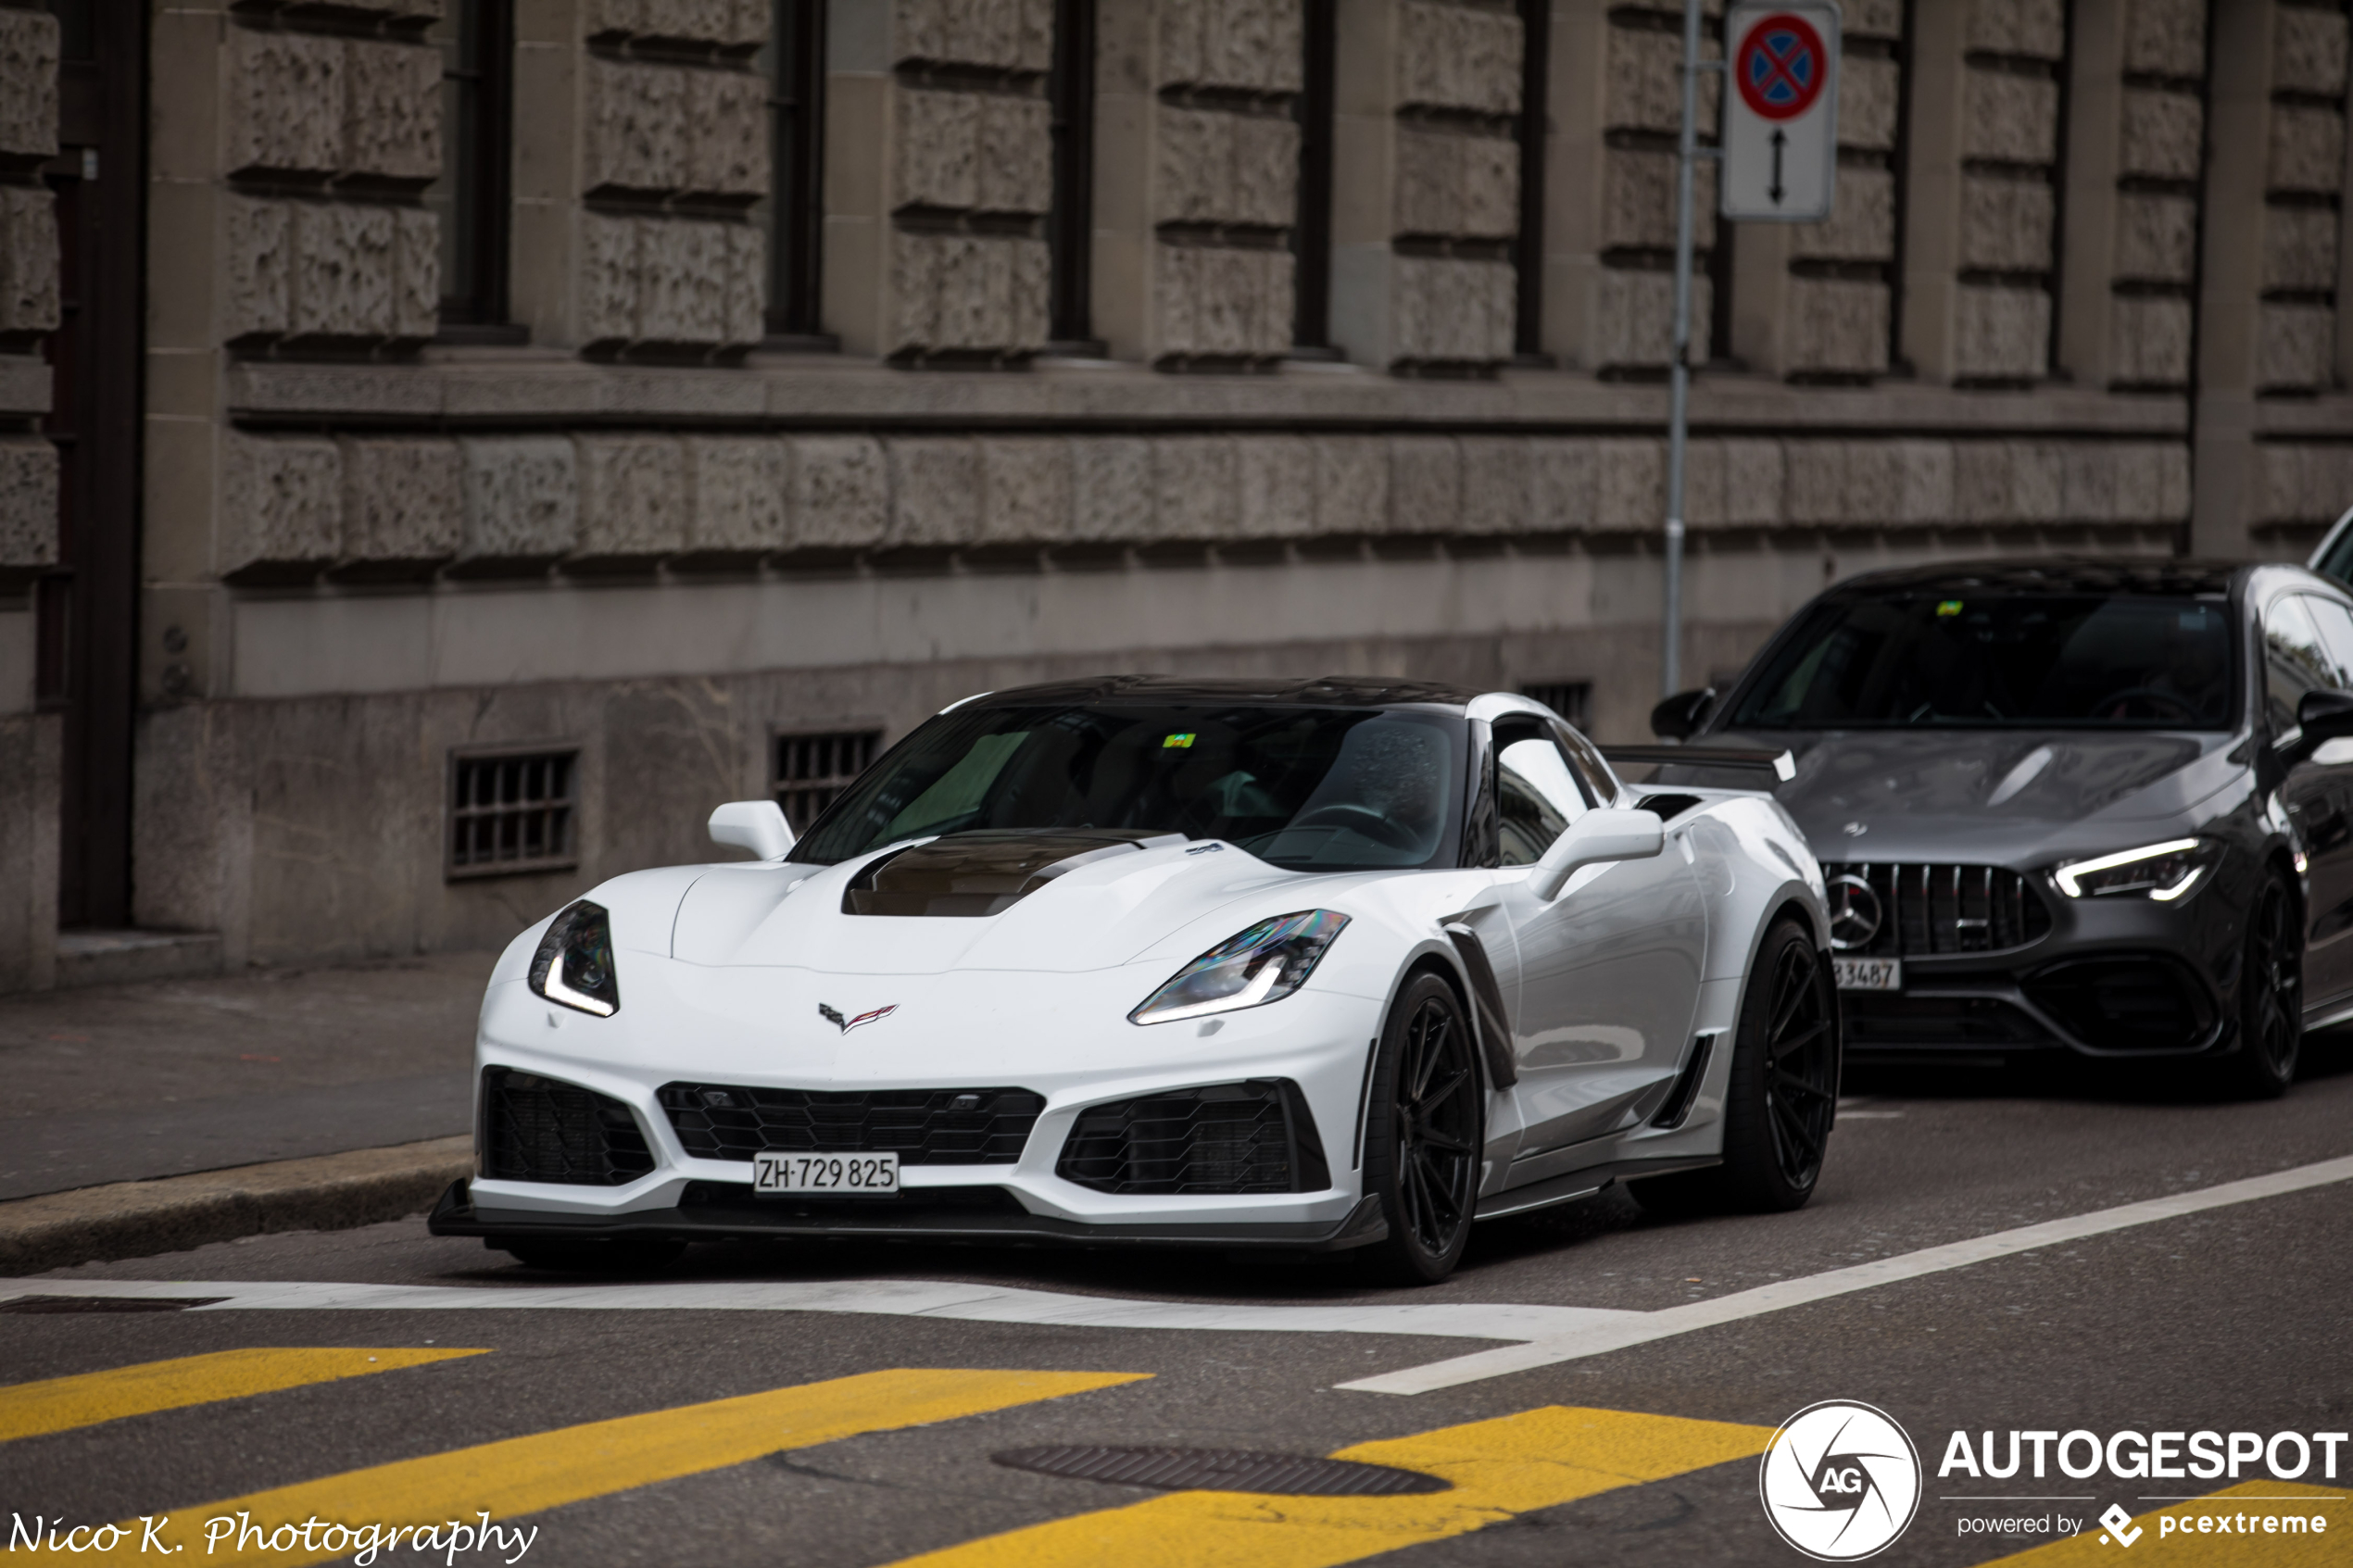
{"x":45,"y":1304}
{"x":1222,"y":1469}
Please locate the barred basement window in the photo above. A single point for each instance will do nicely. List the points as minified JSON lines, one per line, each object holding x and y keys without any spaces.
{"x":513,"y":811}
{"x":1573,"y":700}
{"x":813,"y":769}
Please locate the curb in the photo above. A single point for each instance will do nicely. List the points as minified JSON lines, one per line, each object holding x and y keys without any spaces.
{"x":138,"y":1219}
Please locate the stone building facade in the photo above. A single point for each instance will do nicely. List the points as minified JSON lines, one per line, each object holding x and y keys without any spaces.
{"x":537,"y":421}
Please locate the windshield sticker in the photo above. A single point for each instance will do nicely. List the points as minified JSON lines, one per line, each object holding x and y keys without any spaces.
{"x":1179,"y":743}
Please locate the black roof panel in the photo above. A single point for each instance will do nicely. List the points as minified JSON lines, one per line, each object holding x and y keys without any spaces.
{"x":1333,"y":691}
{"x":2051,"y":574}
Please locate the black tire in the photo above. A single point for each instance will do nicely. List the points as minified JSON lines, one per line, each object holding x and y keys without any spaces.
{"x":651,"y":1255}
{"x":1781,"y":1096}
{"x":1424,"y":1130}
{"x":2271,"y":997}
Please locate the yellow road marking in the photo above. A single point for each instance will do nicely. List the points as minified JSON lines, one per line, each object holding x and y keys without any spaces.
{"x":60,"y":1404}
{"x":1538,"y":1459}
{"x":547,"y":1470}
{"x":2215,"y":1550}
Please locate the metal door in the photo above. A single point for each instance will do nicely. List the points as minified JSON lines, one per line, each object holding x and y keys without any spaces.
{"x":1607,"y":974}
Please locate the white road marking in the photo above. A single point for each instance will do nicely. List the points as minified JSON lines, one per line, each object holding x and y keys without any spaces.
{"x":970,"y":1303}
{"x":1543,"y":1335}
{"x":1644,"y":1328}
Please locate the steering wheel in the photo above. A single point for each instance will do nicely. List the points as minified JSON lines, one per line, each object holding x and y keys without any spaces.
{"x":2131,"y":694}
{"x":1360,"y":818}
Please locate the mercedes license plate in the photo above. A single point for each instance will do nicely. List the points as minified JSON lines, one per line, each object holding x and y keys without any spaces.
{"x":1869,"y":974}
{"x":868,"y":1173}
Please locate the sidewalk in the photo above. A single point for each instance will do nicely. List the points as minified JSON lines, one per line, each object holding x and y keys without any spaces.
{"x":130,"y":1082}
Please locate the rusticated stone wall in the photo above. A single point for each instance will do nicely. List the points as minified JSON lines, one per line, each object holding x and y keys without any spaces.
{"x":366,"y":507}
{"x":2012,"y":91}
{"x":1633,"y":305}
{"x":30,"y":741}
{"x":2155,"y":222}
{"x":327,"y":142}
{"x":28,"y":309}
{"x":1226,"y":77}
{"x":2303,"y":201}
{"x":1842,"y":271}
{"x":1427,"y":179}
{"x":674,"y":152}
{"x":938,"y":256}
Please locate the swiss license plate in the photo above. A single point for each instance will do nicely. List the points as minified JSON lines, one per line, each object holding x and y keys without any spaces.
{"x":825,"y":1173}
{"x":1869,"y":974}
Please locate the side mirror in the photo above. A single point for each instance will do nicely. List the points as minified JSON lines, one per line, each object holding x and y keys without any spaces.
{"x":1677,"y":716}
{"x":2323,"y":716}
{"x":1596,"y":836}
{"x":756,"y":825}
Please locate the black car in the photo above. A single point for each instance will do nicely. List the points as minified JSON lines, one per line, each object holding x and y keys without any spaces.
{"x":2080,"y":806}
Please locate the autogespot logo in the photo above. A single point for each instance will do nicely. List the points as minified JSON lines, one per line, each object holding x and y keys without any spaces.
{"x":1839,"y":1481}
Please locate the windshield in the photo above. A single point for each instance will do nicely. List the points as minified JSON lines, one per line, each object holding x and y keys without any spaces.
{"x":1308,"y":788}
{"x":1988,"y":660}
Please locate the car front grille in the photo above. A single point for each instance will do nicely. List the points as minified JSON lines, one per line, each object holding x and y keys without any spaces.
{"x":1925,"y":910}
{"x":921,"y":1126}
{"x":1256,"y":1136}
{"x":537,"y":1129}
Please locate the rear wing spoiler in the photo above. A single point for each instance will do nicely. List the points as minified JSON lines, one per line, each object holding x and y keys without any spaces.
{"x":1781,"y":764}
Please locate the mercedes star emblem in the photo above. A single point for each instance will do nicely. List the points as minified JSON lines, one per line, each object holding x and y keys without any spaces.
{"x":1855,"y":914}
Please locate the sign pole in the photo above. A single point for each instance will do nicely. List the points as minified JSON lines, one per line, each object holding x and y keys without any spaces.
{"x":1678,"y":374}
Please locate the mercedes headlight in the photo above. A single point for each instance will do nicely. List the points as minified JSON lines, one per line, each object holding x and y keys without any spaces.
{"x":573,"y":964}
{"x":2162,"y":871}
{"x":1264,"y":964}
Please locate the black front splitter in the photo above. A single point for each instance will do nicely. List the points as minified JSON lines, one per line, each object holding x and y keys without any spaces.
{"x":890,"y":1219}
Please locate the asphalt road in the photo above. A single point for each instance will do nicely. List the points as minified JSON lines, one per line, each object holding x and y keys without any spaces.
{"x":2231,"y":1318}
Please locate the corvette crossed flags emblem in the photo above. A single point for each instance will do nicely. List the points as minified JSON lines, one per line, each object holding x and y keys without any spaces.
{"x":847,"y":1024}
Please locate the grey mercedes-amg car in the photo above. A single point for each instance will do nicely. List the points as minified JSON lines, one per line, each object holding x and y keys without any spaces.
{"x":2079,"y":805}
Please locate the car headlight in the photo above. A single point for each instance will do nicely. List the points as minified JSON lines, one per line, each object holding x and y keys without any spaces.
{"x":574,"y":965}
{"x":1264,"y":964}
{"x":2162,"y":871}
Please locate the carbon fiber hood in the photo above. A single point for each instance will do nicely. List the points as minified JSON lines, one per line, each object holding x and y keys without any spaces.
{"x":1036,"y":901}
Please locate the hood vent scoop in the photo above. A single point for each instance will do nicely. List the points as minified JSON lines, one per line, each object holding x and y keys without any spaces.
{"x":985,"y":872}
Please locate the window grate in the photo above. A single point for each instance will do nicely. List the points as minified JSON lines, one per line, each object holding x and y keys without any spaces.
{"x":515,"y":811}
{"x":1573,"y":700}
{"x":813,"y":769}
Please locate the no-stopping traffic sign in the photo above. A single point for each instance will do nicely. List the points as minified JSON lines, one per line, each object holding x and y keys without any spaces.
{"x":1780,"y":118}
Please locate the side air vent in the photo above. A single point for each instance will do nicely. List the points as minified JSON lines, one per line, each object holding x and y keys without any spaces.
{"x":537,"y":1129}
{"x":1256,"y":1136}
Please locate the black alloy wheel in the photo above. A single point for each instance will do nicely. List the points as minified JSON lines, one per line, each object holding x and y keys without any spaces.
{"x":1801,"y":1064}
{"x":1782,"y":1093}
{"x":1424,"y":1132}
{"x":2271,"y":997}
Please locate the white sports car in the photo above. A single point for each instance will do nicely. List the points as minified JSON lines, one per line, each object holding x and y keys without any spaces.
{"x":1286,"y":965}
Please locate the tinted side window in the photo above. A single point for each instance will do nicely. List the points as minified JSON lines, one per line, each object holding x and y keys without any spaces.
{"x":1536,"y":796}
{"x":1593,"y":772}
{"x":2338,"y":562}
{"x":2335,"y":623}
{"x":2293,"y":662}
